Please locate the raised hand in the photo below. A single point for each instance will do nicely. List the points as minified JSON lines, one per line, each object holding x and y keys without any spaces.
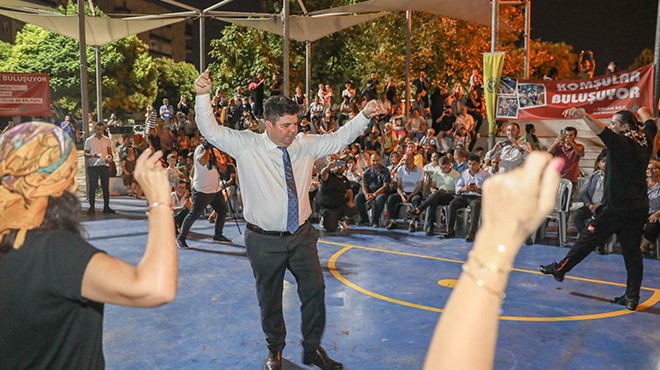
{"x":515,"y":203}
{"x":203,"y":83}
{"x":373,"y":108}
{"x":574,"y":113}
{"x":152,"y":176}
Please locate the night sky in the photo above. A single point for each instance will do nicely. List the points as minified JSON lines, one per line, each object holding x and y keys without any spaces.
{"x":615,"y":30}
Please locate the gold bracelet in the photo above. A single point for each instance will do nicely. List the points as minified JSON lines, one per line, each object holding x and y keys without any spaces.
{"x":480,"y":283}
{"x":157,"y":204}
{"x":488,"y":265}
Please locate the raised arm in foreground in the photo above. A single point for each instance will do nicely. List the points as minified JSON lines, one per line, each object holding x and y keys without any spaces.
{"x":466,"y":334}
{"x":153,"y":281}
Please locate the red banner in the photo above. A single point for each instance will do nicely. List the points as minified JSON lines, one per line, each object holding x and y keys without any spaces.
{"x":601,"y":96}
{"x":24,"y":94}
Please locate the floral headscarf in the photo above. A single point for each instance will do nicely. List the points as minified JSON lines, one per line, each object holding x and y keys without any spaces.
{"x":37,"y":160}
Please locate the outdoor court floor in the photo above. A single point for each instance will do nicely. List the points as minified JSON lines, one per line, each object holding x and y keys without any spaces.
{"x":385,"y":292}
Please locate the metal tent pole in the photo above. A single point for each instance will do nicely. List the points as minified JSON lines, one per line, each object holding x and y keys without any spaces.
{"x":285,"y":53}
{"x":408,"y":47}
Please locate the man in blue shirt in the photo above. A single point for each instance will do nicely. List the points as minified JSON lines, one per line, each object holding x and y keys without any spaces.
{"x":375,"y":185}
{"x":69,"y":127}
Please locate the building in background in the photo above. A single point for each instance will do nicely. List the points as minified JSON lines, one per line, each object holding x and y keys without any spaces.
{"x":177,"y":41}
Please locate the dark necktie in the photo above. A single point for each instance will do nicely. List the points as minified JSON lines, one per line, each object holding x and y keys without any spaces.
{"x":292,"y":209}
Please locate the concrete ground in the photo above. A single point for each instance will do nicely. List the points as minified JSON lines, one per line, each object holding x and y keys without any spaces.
{"x":385,"y":292}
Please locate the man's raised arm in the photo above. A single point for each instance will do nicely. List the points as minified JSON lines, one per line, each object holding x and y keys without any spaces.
{"x":594,"y":124}
{"x":230,"y":141}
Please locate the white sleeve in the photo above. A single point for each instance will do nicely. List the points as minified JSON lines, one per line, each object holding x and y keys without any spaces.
{"x":335,"y":141}
{"x":229,"y":141}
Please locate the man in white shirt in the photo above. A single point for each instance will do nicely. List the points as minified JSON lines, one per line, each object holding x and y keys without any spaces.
{"x":98,"y":152}
{"x":349,"y":91}
{"x":275,"y":170}
{"x":206,"y":189}
{"x":512,"y":151}
{"x":468,"y":193}
{"x":180,"y":203}
{"x":409,"y":190}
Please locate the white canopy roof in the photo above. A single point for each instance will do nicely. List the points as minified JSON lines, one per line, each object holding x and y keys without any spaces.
{"x":305,"y":28}
{"x":475,"y":11}
{"x":99,"y":31}
{"x":24,"y":5}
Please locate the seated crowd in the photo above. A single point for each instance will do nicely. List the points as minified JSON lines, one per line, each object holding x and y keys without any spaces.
{"x":401,"y":166}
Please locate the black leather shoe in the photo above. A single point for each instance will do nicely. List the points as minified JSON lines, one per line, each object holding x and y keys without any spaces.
{"x":429,"y":231}
{"x":449,"y":234}
{"x":181,"y":243}
{"x":551,"y":269}
{"x":469,"y":237}
{"x":630,"y":303}
{"x":321,"y":359}
{"x":109,"y":211}
{"x":221,"y":239}
{"x":274,"y":361}
{"x":412,"y":213}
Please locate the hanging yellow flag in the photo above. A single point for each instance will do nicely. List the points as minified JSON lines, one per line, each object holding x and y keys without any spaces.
{"x":493,"y":63}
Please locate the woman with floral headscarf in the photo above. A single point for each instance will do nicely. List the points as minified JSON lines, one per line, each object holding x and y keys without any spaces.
{"x":53,"y":284}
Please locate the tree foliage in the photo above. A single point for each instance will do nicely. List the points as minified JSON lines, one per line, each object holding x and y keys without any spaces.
{"x":644,"y":58}
{"x":130,"y":76}
{"x":175,"y":79}
{"x":447,"y":49}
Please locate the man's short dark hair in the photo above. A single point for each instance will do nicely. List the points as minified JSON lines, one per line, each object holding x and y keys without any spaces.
{"x":461,"y":152}
{"x":100,"y":124}
{"x":628,"y":117}
{"x":473,"y":157}
{"x":279,"y":106}
{"x":445,"y":160}
{"x":572,"y":129}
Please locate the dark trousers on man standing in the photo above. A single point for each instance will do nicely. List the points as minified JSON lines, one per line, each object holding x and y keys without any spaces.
{"x":199,"y":202}
{"x":270,"y":256}
{"x":628,"y":226}
{"x":96,"y":173}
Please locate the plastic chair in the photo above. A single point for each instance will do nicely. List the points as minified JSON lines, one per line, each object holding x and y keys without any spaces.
{"x":560,"y":213}
{"x":577,"y":202}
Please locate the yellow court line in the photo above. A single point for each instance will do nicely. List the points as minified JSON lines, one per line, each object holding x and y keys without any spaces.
{"x":332,"y":265}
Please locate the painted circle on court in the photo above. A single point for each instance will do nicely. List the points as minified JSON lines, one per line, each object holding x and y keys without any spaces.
{"x":449,"y":283}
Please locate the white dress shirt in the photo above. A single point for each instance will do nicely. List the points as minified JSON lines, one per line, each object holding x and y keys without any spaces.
{"x":205,"y":180}
{"x":467,"y":179}
{"x":511,"y":156}
{"x":261,"y":167}
{"x":98,"y":146}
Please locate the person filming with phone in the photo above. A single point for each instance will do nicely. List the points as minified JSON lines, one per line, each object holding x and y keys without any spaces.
{"x":512,"y":151}
{"x":335,"y":195}
{"x":565,"y":147}
{"x":206,"y":190}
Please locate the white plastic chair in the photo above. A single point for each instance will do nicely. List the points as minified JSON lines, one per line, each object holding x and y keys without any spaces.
{"x":560,"y":213}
